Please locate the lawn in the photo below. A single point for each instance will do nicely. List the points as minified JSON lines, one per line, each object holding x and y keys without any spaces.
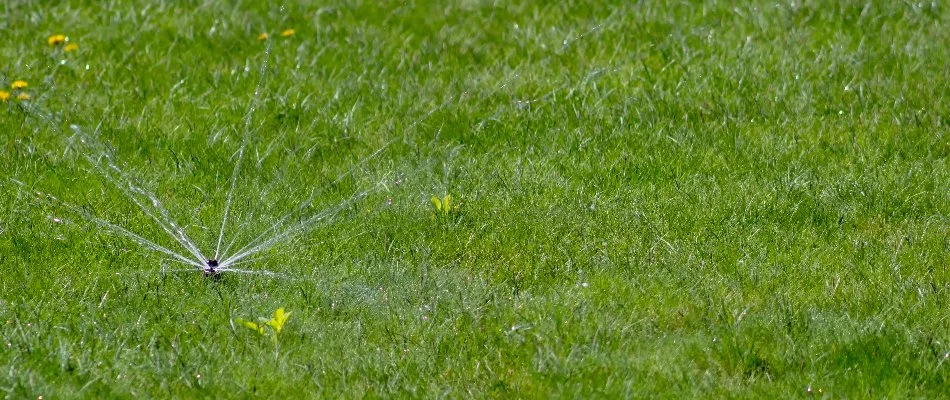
{"x":648,"y":199}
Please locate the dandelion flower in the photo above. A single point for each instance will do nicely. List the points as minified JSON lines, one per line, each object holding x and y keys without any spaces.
{"x":23,"y":96}
{"x":288,"y":32}
{"x":263,"y":36}
{"x":19,"y":85}
{"x":4,"y":96}
{"x":56,"y":39}
{"x":71,"y":47}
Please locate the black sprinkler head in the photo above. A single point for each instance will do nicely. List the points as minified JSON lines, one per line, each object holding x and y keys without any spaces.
{"x":210,"y":271}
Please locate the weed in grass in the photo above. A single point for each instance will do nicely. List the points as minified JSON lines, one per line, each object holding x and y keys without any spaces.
{"x":444,"y":207}
{"x":267,"y":327}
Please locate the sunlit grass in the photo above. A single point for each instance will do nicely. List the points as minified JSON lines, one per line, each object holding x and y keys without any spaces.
{"x":634,"y":199}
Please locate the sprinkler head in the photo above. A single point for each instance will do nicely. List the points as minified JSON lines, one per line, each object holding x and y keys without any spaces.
{"x":211,"y":269}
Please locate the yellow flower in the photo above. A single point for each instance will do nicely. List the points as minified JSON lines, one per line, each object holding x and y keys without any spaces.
{"x":19,"y":85}
{"x":23,"y":96}
{"x":71,"y":47}
{"x":56,"y":39}
{"x":263,"y":36}
{"x":4,"y":96}
{"x":288,"y":33}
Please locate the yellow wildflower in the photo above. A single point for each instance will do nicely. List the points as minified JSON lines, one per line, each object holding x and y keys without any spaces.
{"x":23,"y":96}
{"x":56,"y":39}
{"x":288,"y":33}
{"x":4,"y":96}
{"x":263,"y":36}
{"x":71,"y":47}
{"x":19,"y":85}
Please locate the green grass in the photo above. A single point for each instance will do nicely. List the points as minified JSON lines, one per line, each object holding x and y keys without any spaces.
{"x":660,"y":199}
